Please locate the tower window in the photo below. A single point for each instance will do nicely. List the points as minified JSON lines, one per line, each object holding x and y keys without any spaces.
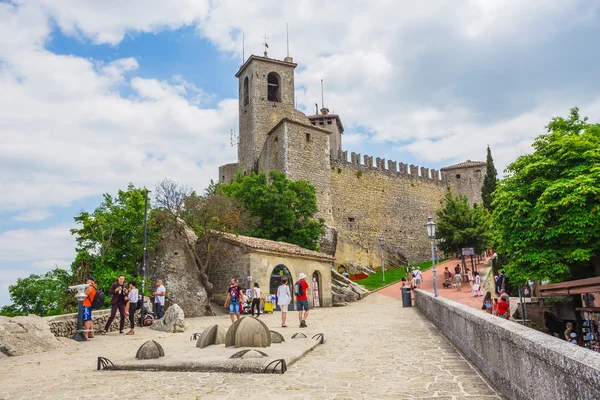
{"x":308,"y":137}
{"x":273,"y":87}
{"x":329,"y":122}
{"x":457,"y":176}
{"x":320,"y":122}
{"x":246,"y":92}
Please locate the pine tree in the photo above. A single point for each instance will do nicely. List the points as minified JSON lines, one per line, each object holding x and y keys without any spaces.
{"x":489,"y":182}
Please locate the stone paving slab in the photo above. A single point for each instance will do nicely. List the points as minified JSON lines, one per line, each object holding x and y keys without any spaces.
{"x":373,"y":349}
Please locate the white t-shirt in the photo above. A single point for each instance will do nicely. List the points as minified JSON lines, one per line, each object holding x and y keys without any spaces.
{"x":133,"y":295}
{"x":418,"y":274}
{"x":160,"y":299}
{"x":256,"y":293}
{"x":283,"y":295}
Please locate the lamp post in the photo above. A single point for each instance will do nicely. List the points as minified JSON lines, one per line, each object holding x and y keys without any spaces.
{"x":382,"y":260}
{"x":430,"y":225}
{"x":144,"y":259}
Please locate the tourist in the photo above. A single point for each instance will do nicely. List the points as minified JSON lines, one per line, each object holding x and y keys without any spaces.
{"x":256,"y":294}
{"x":501,"y":281}
{"x":531,"y":284}
{"x":487,"y":303}
{"x":568,"y":332}
{"x":457,"y":269}
{"x":495,"y":307}
{"x":458,"y":282}
{"x":301,"y":289}
{"x":437,"y":257}
{"x":505,"y":296}
{"x":446,"y":278}
{"x":403,"y":283}
{"x":88,"y":324}
{"x":117,"y":302}
{"x":470,"y":278}
{"x":503,"y":309}
{"x":133,"y":298}
{"x":284,"y":297}
{"x":413,"y":282}
{"x":159,"y":298}
{"x":233,"y":299}
{"x":418,"y":276}
{"x":477,"y":290}
{"x":497,"y":284}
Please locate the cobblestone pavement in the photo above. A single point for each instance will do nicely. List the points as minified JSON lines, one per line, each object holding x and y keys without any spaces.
{"x":374,"y":349}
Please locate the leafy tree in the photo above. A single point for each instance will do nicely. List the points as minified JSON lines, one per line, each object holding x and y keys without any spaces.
{"x":461,"y":225}
{"x":489,"y":181}
{"x":285,"y":208}
{"x":40,"y":294}
{"x":546,"y":211}
{"x":110,"y":240}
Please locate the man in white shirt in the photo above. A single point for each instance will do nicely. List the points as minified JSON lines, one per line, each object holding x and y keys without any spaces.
{"x":418,"y":276}
{"x":159,"y":298}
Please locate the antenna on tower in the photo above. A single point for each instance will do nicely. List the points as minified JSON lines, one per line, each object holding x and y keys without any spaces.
{"x":233,"y":136}
{"x":287,"y":38}
{"x":322,"y":102}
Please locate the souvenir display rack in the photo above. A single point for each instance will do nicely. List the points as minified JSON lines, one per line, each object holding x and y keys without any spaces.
{"x":590,"y":331}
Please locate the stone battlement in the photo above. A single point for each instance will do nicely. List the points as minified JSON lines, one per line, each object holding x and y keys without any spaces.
{"x":393,"y":168}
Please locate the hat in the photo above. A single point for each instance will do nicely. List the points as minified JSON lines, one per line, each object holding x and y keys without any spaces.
{"x":91,"y":278}
{"x":302,"y":275}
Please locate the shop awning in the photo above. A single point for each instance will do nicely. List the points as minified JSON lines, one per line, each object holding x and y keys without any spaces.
{"x":581,"y":286}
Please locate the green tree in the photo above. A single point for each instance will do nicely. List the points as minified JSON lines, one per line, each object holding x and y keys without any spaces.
{"x":285,"y":208}
{"x":40,"y":294}
{"x":110,"y":240}
{"x":461,"y":225}
{"x":546,"y":211}
{"x":489,"y":181}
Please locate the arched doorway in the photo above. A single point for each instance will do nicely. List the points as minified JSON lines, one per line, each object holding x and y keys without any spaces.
{"x":279,"y":272}
{"x":316,"y":290}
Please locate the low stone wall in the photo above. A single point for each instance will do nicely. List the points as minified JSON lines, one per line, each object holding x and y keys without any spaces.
{"x":521,"y":362}
{"x":65,"y":325}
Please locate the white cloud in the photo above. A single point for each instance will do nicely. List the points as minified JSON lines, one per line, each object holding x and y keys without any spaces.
{"x":37,"y":244}
{"x":51,"y":264}
{"x":34,"y":215}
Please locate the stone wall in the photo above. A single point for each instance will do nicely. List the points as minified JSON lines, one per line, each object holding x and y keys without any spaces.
{"x":234,"y":263}
{"x":523,"y":363}
{"x":228,"y":172}
{"x":373,"y":200}
{"x":65,"y":325}
{"x":273,"y":153}
{"x":467,"y":181}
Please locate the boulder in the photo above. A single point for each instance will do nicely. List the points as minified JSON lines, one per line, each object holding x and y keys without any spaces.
{"x":213,"y":335}
{"x":344,"y":290}
{"x":174,"y":260}
{"x":26,"y":335}
{"x":172,"y":321}
{"x":248,"y":332}
{"x":150,"y":350}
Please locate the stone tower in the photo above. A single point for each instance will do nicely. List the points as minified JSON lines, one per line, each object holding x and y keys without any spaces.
{"x":266,"y":95}
{"x":332,"y":123}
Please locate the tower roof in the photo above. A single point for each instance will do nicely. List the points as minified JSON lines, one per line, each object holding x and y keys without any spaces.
{"x":320,"y":117}
{"x":465,"y":164}
{"x":265,"y":59}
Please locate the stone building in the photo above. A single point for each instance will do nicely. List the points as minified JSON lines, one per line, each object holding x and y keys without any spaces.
{"x":266,"y":262}
{"x":360,"y":200}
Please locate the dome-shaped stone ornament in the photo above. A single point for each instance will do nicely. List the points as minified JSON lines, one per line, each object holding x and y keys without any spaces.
{"x":248,"y":332}
{"x":298,"y":336}
{"x":150,"y":350}
{"x":212,"y":335}
{"x":277,"y":337}
{"x":249,"y":353}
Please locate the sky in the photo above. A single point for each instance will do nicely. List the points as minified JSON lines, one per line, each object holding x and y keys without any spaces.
{"x":95,"y":95}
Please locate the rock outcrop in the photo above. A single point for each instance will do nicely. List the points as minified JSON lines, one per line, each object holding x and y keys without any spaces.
{"x":355,"y":268}
{"x":172,"y":321}
{"x":345,"y":291}
{"x":175,"y":261}
{"x":26,"y":335}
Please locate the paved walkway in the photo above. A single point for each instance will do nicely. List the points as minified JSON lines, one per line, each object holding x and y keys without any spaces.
{"x":374,"y":349}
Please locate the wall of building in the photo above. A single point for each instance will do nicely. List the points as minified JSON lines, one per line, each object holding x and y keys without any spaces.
{"x":234,"y":263}
{"x":521,"y":362}
{"x":228,"y":172}
{"x":273,"y":155}
{"x":390,"y":200}
{"x":262,"y":265}
{"x":308,"y":159}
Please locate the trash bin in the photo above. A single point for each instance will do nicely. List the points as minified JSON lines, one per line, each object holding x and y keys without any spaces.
{"x":406,"y":297}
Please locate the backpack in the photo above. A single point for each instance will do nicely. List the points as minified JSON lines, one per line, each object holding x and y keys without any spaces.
{"x":298,"y":291}
{"x":98,"y":299}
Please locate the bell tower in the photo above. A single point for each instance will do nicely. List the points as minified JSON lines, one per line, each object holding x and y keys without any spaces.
{"x":266,"y":95}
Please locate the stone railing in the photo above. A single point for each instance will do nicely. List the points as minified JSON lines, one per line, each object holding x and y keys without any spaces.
{"x":521,"y":362}
{"x":65,"y":325}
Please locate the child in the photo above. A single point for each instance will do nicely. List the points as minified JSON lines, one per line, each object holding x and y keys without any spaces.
{"x":458,"y":282}
{"x":495,"y":307}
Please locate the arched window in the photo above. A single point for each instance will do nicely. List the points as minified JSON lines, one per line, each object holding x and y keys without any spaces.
{"x":273,"y":87}
{"x":246,"y":92}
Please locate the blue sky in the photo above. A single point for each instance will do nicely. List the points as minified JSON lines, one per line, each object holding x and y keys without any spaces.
{"x":99,"y":94}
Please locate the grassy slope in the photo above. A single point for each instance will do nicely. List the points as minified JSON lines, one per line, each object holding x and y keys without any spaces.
{"x":374,"y":280}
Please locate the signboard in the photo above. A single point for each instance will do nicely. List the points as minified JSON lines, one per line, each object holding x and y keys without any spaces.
{"x":468,"y":251}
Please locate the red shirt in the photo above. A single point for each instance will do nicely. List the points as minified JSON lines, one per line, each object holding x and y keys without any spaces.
{"x":502,"y":309}
{"x":304,"y":287}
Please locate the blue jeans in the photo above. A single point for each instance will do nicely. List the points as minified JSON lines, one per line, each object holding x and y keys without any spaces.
{"x":159,"y":310}
{"x":234,"y":307}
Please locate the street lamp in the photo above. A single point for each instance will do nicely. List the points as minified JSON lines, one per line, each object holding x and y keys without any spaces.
{"x":382,"y":261}
{"x":144,"y":257}
{"x":430,"y":225}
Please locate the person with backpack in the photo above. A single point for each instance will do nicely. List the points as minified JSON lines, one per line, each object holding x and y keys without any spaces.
{"x":233,"y":299}
{"x":300,"y":291}
{"x":88,"y":324}
{"x":118,"y":291}
{"x":133,"y":298}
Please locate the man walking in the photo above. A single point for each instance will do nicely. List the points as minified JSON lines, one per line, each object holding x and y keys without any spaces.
{"x":233,"y":298}
{"x":301,"y":289}
{"x":159,"y":298}
{"x":117,"y":302}
{"x":418,"y":276}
